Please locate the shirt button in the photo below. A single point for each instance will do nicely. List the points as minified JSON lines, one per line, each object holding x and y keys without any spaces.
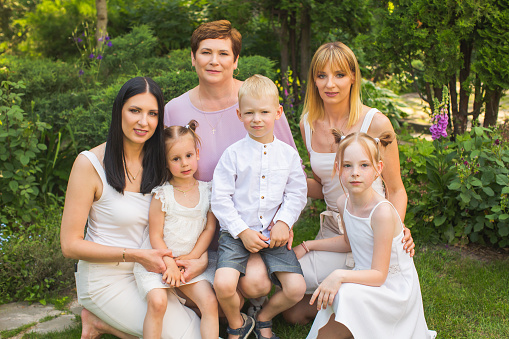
{"x":264,"y":152}
{"x":264,"y":146}
{"x":263,"y":176}
{"x":261,"y":217}
{"x":263,"y":197}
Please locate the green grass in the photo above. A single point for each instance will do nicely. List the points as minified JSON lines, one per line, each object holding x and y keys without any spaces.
{"x":463,"y":297}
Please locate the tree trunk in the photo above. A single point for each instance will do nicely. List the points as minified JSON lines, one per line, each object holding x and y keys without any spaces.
{"x":478,"y":98}
{"x":429,"y":96}
{"x":466,"y":50}
{"x":305,"y":48}
{"x":283,"y":43}
{"x":102,"y":21}
{"x":492,"y":104}
{"x":294,"y":51}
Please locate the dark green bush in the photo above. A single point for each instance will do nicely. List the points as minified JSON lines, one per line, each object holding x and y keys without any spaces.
{"x":458,"y":191}
{"x":32,"y":266}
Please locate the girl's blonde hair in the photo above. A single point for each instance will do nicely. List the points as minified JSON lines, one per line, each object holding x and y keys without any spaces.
{"x":370,"y":145}
{"x":173,"y":133}
{"x":340,"y":58}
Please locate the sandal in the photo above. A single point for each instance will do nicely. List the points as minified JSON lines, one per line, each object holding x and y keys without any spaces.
{"x":263,"y":324}
{"x":246,"y":329}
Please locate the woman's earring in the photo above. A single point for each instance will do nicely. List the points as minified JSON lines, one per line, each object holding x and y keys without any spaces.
{"x":236,"y":74}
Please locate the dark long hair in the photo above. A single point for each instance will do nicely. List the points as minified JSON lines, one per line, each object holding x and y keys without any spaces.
{"x":154,"y":159}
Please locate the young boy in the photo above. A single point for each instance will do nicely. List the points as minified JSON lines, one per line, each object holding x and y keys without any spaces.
{"x":258,"y":192}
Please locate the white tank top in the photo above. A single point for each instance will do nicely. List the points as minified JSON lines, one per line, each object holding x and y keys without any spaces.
{"x":116,"y":219}
{"x":322,"y":165}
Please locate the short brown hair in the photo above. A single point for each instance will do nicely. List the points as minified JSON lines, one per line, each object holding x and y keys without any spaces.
{"x":221,"y":29}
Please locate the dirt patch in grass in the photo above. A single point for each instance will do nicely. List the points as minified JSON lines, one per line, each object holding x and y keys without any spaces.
{"x":479,"y":252}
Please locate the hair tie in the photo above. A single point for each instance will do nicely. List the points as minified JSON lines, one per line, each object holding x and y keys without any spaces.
{"x":187,"y":126}
{"x":342,"y":137}
{"x":376,"y":140}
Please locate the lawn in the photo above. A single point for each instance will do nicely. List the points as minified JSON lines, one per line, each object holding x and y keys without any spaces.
{"x":465,"y":292}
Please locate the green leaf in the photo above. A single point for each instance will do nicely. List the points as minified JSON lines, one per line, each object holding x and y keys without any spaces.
{"x":24,"y":160}
{"x":505,"y":190}
{"x":503,"y":216}
{"x":503,"y":230}
{"x":454,"y":185}
{"x":13,"y":185}
{"x":465,"y":198}
{"x":502,"y":180}
{"x":476,"y":182}
{"x":478,"y":226}
{"x":488,"y":191}
{"x":439,"y":220}
{"x":478,"y":131}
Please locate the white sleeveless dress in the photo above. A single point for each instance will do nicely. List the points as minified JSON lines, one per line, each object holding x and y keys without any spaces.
{"x":317,"y":265}
{"x":182,"y":228}
{"x":109,"y":290}
{"x":392,"y":310}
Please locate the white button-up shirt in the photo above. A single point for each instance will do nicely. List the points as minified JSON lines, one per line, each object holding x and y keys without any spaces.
{"x":256,"y":183}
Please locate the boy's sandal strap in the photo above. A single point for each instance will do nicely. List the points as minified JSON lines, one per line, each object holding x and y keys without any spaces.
{"x":263,"y":324}
{"x":237,"y":331}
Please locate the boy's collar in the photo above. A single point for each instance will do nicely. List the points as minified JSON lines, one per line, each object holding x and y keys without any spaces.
{"x":255,"y":142}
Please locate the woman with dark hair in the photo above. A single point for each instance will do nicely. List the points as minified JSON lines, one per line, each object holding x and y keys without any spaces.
{"x":109,"y":188}
{"x":215,"y":49}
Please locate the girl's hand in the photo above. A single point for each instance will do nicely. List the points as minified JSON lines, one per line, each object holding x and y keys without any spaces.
{"x":172,"y":275}
{"x":186,"y":257}
{"x":327,"y":290}
{"x":253,"y":241}
{"x":299,"y":251}
{"x":408,"y":242}
{"x":152,"y":260}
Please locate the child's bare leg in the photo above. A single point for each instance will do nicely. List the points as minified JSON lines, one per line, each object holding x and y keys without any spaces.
{"x":93,"y":327}
{"x":335,"y":330}
{"x":293,"y":288}
{"x":157,"y":301}
{"x":225,"y":285}
{"x":203,"y":296}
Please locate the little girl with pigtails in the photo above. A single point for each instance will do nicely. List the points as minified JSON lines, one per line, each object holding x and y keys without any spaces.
{"x":381,"y":296}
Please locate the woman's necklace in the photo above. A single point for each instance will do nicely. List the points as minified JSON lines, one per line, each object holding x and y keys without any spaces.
{"x":185,"y":191}
{"x":130,"y":174}
{"x":213,"y":127}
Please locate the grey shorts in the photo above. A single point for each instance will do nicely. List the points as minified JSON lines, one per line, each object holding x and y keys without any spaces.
{"x":233,"y":254}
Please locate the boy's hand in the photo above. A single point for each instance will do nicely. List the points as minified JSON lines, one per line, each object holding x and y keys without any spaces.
{"x":279,"y":234}
{"x":253,"y":241}
{"x":172,"y":274}
{"x":186,"y":257}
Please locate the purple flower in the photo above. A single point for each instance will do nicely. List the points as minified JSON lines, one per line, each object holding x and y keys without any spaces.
{"x":465,"y":163}
{"x":91,"y":56}
{"x":497,"y":142}
{"x":286,"y":92}
{"x":79,"y":40}
{"x":110,"y":44}
{"x":439,"y":128}
{"x":99,"y":57}
{"x":81,"y":72}
{"x":106,"y":38}
{"x":100,"y":39}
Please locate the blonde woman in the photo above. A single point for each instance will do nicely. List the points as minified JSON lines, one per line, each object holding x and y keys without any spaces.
{"x":333,"y":100}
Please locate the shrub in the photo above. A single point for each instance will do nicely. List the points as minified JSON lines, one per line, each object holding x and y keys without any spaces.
{"x":458,"y":190}
{"x":32,"y":266}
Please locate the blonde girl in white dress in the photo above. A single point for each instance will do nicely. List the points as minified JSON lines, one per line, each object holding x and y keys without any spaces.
{"x":179,"y":220}
{"x":381,"y":296}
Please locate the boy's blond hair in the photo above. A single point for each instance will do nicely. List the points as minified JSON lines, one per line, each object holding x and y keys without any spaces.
{"x":259,"y":86}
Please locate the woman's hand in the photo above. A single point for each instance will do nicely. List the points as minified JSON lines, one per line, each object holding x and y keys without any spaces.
{"x":152,"y":260}
{"x":193,"y":267}
{"x":300,"y":251}
{"x":327,"y":290}
{"x":408,"y":242}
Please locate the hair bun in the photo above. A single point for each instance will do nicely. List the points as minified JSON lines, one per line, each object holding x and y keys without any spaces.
{"x":193,"y":124}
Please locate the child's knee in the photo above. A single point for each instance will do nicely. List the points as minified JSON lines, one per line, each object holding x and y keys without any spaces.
{"x":224,"y":288}
{"x":295,"y":288}
{"x":209,"y":303}
{"x":157,"y":303}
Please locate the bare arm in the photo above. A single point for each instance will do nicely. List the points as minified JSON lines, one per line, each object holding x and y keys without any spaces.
{"x":84,"y":187}
{"x":314,"y":183}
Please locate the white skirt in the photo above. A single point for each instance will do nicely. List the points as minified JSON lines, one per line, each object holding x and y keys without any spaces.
{"x":109,"y":291}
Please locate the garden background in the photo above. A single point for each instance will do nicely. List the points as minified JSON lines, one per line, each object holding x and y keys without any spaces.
{"x":62,"y":63}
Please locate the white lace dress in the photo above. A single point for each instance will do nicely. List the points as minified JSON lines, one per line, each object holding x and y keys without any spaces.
{"x":182,"y":228}
{"x":392,"y":310}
